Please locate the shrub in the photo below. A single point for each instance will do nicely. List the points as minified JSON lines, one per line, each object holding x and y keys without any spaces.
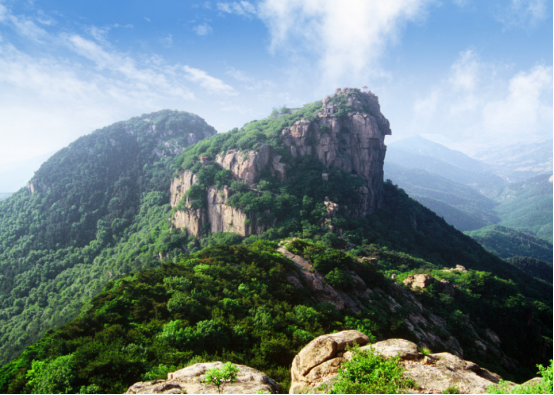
{"x":221,"y":376}
{"x":370,"y":373}
{"x":544,"y":386}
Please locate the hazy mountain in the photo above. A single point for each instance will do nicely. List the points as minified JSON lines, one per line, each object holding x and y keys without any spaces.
{"x":421,"y":146}
{"x":4,"y":196}
{"x":414,"y":160}
{"x":508,"y":243}
{"x":519,"y":161}
{"x":460,"y":205}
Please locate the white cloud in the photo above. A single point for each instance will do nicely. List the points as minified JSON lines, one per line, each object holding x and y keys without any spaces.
{"x":243,"y":8}
{"x":167,"y":41}
{"x":522,"y":13}
{"x":71,"y":85}
{"x":348,"y":38}
{"x":481,"y":101}
{"x":524,"y":110}
{"x":203,"y":29}
{"x":208,"y":82}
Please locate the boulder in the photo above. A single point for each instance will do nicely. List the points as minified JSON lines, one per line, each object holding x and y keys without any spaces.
{"x":320,"y":360}
{"x":318,"y":364}
{"x":437,"y":372}
{"x":188,"y":381}
{"x":419,"y":281}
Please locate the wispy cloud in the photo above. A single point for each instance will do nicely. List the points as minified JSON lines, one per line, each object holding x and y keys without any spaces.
{"x":203,"y":29}
{"x":167,"y":41}
{"x":347,"y":38}
{"x":208,"y":82}
{"x":243,"y":8}
{"x":522,"y":13}
{"x":71,"y":83}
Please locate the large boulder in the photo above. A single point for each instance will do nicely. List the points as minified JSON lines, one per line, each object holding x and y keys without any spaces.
{"x":319,"y":362}
{"x":188,"y":381}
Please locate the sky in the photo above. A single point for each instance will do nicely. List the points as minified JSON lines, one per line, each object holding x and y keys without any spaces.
{"x":465,"y":73}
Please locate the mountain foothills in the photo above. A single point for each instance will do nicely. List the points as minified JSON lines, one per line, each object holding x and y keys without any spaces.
{"x":130,"y":256}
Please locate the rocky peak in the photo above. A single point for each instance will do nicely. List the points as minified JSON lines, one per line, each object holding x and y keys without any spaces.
{"x":349,"y":138}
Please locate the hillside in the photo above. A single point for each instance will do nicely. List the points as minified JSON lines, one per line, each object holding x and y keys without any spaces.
{"x":80,"y":209}
{"x":509,"y":243}
{"x":253,"y":305}
{"x":535,"y":267}
{"x":460,"y":205}
{"x":527,"y":206}
{"x":267,"y":236}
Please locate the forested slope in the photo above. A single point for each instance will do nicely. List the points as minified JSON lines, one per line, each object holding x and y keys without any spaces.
{"x":82,"y":207}
{"x":508,"y":243}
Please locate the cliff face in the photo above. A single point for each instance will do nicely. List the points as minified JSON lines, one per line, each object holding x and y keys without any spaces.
{"x":216,"y":216}
{"x":348,"y":135}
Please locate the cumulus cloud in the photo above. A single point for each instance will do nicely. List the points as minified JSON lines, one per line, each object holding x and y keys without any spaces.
{"x":480,"y":100}
{"x":524,"y":109}
{"x":522,"y":13}
{"x":243,"y":8}
{"x":203,"y":29}
{"x":347,"y":37}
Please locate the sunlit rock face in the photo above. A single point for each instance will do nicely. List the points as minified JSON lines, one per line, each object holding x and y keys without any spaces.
{"x":352,"y":142}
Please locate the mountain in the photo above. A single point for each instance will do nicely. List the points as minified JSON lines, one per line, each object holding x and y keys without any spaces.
{"x":4,"y":196}
{"x":244,"y":248}
{"x":527,"y":206}
{"x":421,"y":146}
{"x":419,"y":153}
{"x":460,"y":205}
{"x":441,"y":179}
{"x":509,"y":243}
{"x":88,"y":203}
{"x":518,"y":162}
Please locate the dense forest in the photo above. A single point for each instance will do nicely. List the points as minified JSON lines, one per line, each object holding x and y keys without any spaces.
{"x":66,"y":235}
{"x":509,"y":243}
{"x":89,"y":249}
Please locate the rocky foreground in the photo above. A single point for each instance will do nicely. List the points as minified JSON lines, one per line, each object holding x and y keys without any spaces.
{"x":317,"y":365}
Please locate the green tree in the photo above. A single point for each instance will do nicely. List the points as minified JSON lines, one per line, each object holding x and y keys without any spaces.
{"x":221,"y":376}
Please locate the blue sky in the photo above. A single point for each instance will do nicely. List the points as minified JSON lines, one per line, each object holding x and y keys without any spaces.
{"x":466,"y":73}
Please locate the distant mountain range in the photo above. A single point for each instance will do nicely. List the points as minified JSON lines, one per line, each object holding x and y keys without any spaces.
{"x":470,"y":193}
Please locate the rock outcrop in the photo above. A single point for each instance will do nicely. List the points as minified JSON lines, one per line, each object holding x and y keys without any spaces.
{"x":318,"y":364}
{"x":352,"y":142}
{"x":216,"y":217}
{"x":188,"y":381}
